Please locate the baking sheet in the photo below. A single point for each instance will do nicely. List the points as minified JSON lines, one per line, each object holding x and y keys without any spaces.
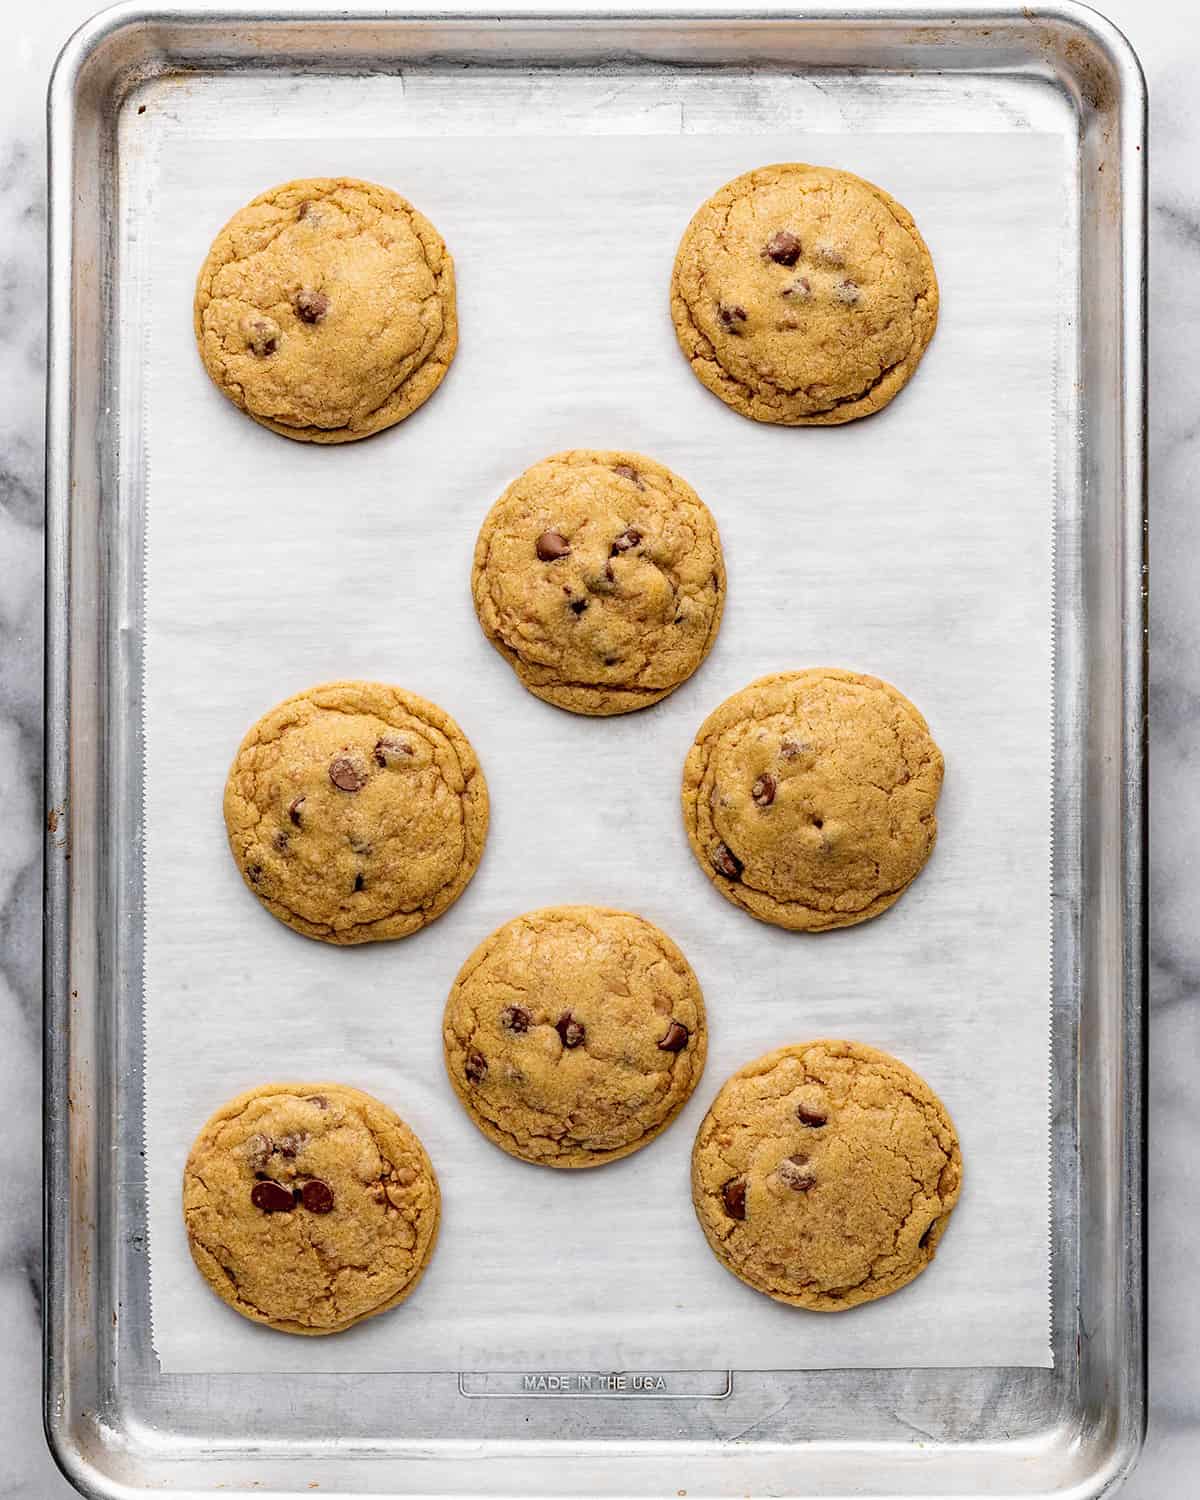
{"x":915,"y":545}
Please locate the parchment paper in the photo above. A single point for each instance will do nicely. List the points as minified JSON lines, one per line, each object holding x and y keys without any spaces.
{"x":915,"y":545}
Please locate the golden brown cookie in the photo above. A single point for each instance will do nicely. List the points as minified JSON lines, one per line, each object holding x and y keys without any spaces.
{"x":356,"y":811}
{"x":574,"y":1035}
{"x":599,"y":578}
{"x":824,"y":1174}
{"x":309,"y":1206}
{"x":809,"y":798}
{"x":326,"y":309}
{"x":803,"y":295}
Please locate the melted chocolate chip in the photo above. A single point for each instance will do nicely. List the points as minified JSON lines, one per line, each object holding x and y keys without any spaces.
{"x":254,"y":872}
{"x":475,"y":1067}
{"x":317,"y":1196}
{"x":763,"y":790}
{"x":630,"y":537}
{"x":725,"y":861}
{"x":261,"y":334}
{"x":280,"y":840}
{"x":515,"y":1018}
{"x":319,"y":1100}
{"x":676,"y":1038}
{"x":811,"y":1117}
{"x":570,"y":1030}
{"x":294,"y":810}
{"x":389,"y":751}
{"x":731,"y":317}
{"x":272,"y":1197}
{"x":795,"y":1173}
{"x":258,"y":1149}
{"x":627,"y":471}
{"x":345,"y":775}
{"x":783,"y":248}
{"x":311,"y":306}
{"x":800,"y":289}
{"x":847,"y":291}
{"x":733,"y":1195}
{"x":552,"y":545}
{"x":791,"y":749}
{"x":289,"y":1145}
{"x":578,"y":606}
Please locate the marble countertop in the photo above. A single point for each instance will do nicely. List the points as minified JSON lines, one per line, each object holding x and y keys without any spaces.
{"x":1166,"y":38}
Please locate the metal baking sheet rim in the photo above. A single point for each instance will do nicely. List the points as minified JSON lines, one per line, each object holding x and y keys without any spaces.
{"x":1101,"y":1393}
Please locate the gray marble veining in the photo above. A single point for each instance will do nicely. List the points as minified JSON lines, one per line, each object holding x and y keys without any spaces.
{"x":1165,"y":35}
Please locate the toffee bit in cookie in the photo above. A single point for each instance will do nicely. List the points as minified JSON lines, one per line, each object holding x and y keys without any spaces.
{"x":800,"y":289}
{"x":811,"y":1117}
{"x":317,"y":1196}
{"x":390,"y":751}
{"x":848,"y":292}
{"x":763,"y":790}
{"x":731,"y":317}
{"x":475,"y":1067}
{"x":294,"y":808}
{"x":627,"y":471}
{"x":552,"y":545}
{"x":311,"y":307}
{"x":795,"y":1173}
{"x":345,"y":775}
{"x":359,"y":881}
{"x":676,"y":1038}
{"x":725,"y":861}
{"x":261,"y":334}
{"x":570,"y":1030}
{"x":578,"y":606}
{"x":630,"y":537}
{"x":515,"y":1018}
{"x":733,"y":1196}
{"x":783,"y":248}
{"x":272,"y":1197}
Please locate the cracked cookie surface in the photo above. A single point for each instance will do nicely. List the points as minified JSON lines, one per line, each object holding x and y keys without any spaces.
{"x":810,"y":798}
{"x":309,"y":1206}
{"x":803,"y":295}
{"x":825,"y":1174}
{"x":574,"y":1035}
{"x":326,"y":309}
{"x":599,"y":578}
{"x":356,"y":812}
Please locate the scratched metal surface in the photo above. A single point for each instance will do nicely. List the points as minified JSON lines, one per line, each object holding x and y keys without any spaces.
{"x":117,"y":1424}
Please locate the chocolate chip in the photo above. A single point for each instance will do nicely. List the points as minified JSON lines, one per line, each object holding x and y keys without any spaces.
{"x":272,"y":1197}
{"x":731,"y":315}
{"x":345,"y":775}
{"x":800,"y":289}
{"x":783,"y":248}
{"x":725,"y":861}
{"x":475,"y":1067}
{"x":630,"y":537}
{"x":676,"y":1038}
{"x":763,"y":790}
{"x":570,"y":1030}
{"x":254,"y":872}
{"x":578,"y":606}
{"x":317,"y":1196}
{"x":552,"y":545}
{"x":311,"y":306}
{"x":848,"y":292}
{"x":294,"y":810}
{"x":261,"y":334}
{"x":359,"y":881}
{"x":811,"y":1117}
{"x":627,"y":471}
{"x":515,"y":1018}
{"x":389,"y":750}
{"x":795,"y":1173}
{"x":733,"y":1195}
{"x":319,"y":1100}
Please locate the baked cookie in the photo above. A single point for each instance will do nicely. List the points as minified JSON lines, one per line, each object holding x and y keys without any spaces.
{"x":803,"y":295}
{"x":824,"y":1174}
{"x":309,"y":1206}
{"x":599,"y":578}
{"x":809,"y":798}
{"x":356,"y":811}
{"x":574,"y":1034}
{"x":326,"y":309}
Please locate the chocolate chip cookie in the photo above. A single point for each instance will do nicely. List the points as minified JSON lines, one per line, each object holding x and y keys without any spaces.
{"x":309,"y":1206}
{"x":326,"y":309}
{"x":574,"y":1035}
{"x":803,"y":295}
{"x":599,"y":578}
{"x":356,"y":811}
{"x":825,"y":1173}
{"x":810,"y":798}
